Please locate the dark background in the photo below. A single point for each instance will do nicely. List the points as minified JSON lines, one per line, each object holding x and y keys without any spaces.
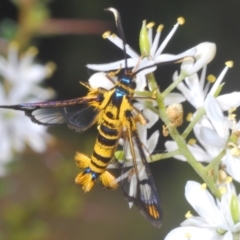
{"x":39,"y":199}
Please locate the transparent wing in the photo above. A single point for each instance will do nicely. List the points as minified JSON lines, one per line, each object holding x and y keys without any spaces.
{"x":76,"y":113}
{"x":137,"y":182}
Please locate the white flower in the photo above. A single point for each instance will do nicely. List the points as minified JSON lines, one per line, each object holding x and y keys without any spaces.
{"x":195,"y":89}
{"x":215,"y":133}
{"x":205,"y":52}
{"x":218,"y":219}
{"x":136,"y":61}
{"x":213,"y":130}
{"x":19,"y":84}
{"x":231,"y":160}
{"x":23,"y":74}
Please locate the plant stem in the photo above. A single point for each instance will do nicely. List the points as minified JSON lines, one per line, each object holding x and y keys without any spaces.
{"x":199,"y":113}
{"x":182,"y":146}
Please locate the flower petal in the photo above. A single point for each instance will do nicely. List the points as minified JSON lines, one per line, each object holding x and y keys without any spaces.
{"x":174,"y":98}
{"x":196,"y":150}
{"x":216,"y":117}
{"x":228,"y":101}
{"x":100,"y":79}
{"x":193,"y":233}
{"x":232,"y":166}
{"x":204,"y":204}
{"x":205,"y":52}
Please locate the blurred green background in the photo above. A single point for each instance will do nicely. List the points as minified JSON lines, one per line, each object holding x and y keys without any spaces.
{"x":38,"y":198}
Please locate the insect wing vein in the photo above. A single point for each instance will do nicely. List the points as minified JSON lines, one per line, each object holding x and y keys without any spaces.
{"x":79,"y":114}
{"x":137,"y":182}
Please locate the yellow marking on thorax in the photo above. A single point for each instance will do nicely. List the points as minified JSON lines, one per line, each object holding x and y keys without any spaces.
{"x":111,"y":123}
{"x":130,"y":90}
{"x":106,"y":98}
{"x":125,"y":106}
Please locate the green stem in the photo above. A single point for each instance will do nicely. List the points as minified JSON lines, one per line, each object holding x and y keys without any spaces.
{"x":193,"y":162}
{"x":161,"y":156}
{"x":199,"y":113}
{"x":174,"y":84}
{"x":182,"y":146}
{"x":215,"y":162}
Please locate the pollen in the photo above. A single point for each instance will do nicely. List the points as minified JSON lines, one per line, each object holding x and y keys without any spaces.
{"x":204,"y":186}
{"x":106,"y":34}
{"x":175,"y":114}
{"x":222,"y":176}
{"x":50,"y":68}
{"x":150,"y":25}
{"x":235,"y":151}
{"x":160,"y":28}
{"x":32,"y":51}
{"x":189,"y":117}
{"x":165,"y":131}
{"x":211,"y":78}
{"x":188,"y":214}
{"x":232,"y":116}
{"x":113,"y":35}
{"x":222,"y":190}
{"x":231,"y":110}
{"x":181,"y":20}
{"x":188,"y":235}
{"x":229,"y":179}
{"x":14,"y":45}
{"x":229,"y":64}
{"x":237,"y":133}
{"x":192,"y":141}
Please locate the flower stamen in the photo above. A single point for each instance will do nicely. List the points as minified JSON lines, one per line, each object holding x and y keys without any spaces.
{"x":192,"y":141}
{"x":188,"y":214}
{"x":204,"y":186}
{"x":211,"y":78}
{"x":180,"y":21}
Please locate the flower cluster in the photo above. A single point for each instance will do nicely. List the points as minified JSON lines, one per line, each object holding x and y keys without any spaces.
{"x":19,"y":83}
{"x":214,"y":125}
{"x":214,"y":153}
{"x":218,"y":219}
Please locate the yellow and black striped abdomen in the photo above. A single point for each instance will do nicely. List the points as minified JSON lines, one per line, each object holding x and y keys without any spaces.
{"x":109,"y":131}
{"x":105,"y":145}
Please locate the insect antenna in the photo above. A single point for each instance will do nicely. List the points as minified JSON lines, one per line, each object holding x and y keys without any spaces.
{"x":180,"y":60}
{"x":118,"y":22}
{"x":120,"y":32}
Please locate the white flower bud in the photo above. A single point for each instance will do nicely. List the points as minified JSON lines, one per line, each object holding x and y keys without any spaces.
{"x":205,"y":52}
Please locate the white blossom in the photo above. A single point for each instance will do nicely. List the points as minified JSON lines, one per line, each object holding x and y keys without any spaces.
{"x":18,"y":85}
{"x":195,"y":89}
{"x":205,"y":52}
{"x":218,"y":219}
{"x":136,"y":61}
{"x":213,"y":131}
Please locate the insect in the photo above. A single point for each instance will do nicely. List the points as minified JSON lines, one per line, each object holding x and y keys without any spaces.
{"x":116,"y":117}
